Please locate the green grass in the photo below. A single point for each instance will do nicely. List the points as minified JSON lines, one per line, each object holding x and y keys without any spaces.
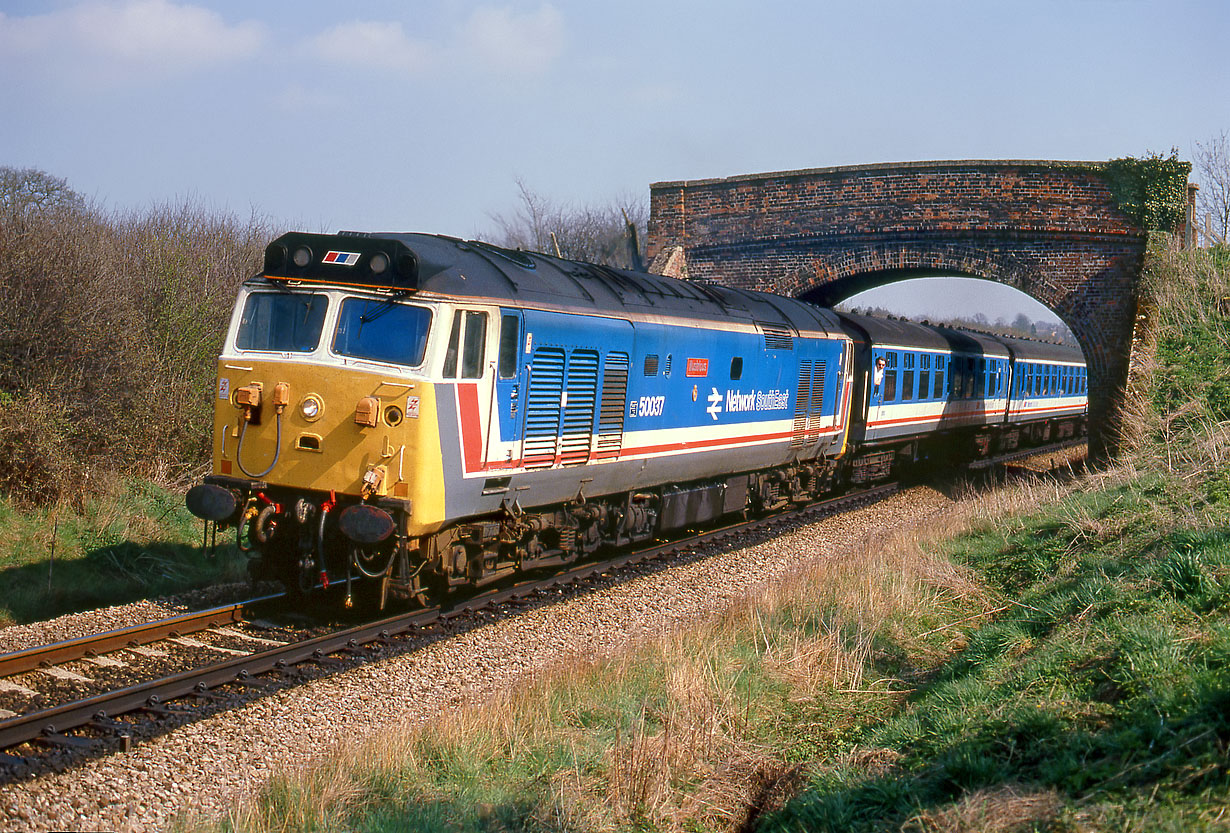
{"x":1106,"y":683}
{"x":136,"y":542}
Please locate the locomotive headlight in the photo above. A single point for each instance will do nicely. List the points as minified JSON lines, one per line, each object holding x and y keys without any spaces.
{"x":378,"y":263}
{"x":311,"y":407}
{"x":302,"y":256}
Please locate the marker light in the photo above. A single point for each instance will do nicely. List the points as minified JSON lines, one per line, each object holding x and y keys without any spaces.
{"x":378,"y":263}
{"x":302,"y":256}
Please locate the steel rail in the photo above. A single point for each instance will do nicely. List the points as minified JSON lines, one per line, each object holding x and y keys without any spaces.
{"x":152,"y":695}
{"x":98,"y":710}
{"x":29,"y":659}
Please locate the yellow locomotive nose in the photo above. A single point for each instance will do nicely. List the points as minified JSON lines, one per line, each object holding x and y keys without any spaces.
{"x":346,"y":431}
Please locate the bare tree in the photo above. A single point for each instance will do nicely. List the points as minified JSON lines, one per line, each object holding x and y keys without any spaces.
{"x":610,"y":234}
{"x":1213,"y":168}
{"x":25,"y":190}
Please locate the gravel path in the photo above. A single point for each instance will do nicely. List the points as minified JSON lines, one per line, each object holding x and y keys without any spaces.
{"x":205,"y":767}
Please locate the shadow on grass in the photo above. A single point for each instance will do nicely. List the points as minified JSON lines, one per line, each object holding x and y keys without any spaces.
{"x":509,"y":816}
{"x":115,"y":574}
{"x":1182,"y":755}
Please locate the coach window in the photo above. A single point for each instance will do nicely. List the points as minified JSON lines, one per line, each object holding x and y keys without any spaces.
{"x":924,"y":376}
{"x":509,"y":342}
{"x":938,"y":393}
{"x":890,"y":376}
{"x":736,"y":368}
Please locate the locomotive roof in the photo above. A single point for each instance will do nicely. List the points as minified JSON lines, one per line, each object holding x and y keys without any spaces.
{"x":448,"y":266}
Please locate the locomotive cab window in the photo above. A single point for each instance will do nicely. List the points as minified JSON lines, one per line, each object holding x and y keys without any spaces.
{"x":466,"y":341}
{"x":281,"y":322}
{"x":736,"y":368}
{"x":382,"y":330}
{"x":509,"y":342}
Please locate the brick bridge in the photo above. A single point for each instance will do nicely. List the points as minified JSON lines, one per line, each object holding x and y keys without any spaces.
{"x":1049,"y":229}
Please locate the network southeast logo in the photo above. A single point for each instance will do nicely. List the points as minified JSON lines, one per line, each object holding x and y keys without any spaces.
{"x":734,"y":401}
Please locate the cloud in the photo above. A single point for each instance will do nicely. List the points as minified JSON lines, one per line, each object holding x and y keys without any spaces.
{"x":373,"y":44}
{"x":506,"y":41}
{"x":105,"y":39}
{"x":494,"y":40}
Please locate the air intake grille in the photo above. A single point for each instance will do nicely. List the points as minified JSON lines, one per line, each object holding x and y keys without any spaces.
{"x":808,"y":403}
{"x":579,"y":407}
{"x":542,"y":408}
{"x":777,"y":338}
{"x":611,"y":417}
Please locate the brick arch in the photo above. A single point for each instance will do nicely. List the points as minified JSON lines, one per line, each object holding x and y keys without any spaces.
{"x":1050,"y":229}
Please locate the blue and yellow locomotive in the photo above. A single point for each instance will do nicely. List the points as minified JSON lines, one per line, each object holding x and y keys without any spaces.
{"x":436,"y":413}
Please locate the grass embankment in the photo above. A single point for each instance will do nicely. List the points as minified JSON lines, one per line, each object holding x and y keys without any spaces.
{"x":1043,"y":661}
{"x":134,"y":541}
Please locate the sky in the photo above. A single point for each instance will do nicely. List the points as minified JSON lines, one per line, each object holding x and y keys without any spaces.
{"x":424,"y":115}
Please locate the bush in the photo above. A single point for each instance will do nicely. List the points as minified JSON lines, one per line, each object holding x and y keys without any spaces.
{"x":109,"y":330}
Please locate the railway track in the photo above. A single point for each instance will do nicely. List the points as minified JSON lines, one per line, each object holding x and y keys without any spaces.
{"x":110,"y":720}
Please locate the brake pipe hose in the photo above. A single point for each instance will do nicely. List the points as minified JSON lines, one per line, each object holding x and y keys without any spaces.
{"x":277,"y":449}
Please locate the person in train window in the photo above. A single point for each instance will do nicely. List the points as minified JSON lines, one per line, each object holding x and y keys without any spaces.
{"x":878,"y":376}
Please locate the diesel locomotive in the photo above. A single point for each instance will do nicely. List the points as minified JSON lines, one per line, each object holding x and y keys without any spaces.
{"x":433,"y":414}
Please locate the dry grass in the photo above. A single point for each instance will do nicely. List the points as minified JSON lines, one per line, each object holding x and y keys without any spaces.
{"x":1000,"y":810}
{"x":685,"y":732}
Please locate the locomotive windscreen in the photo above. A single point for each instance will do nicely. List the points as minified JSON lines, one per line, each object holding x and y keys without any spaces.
{"x":383,"y":331}
{"x":282,"y":322}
